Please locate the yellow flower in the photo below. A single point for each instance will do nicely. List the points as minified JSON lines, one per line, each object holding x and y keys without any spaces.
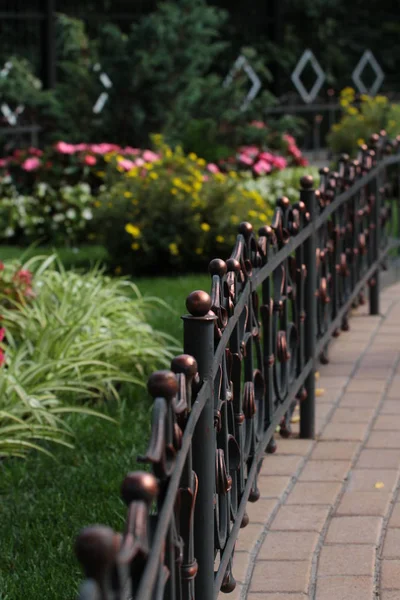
{"x":233,"y":174}
{"x":168,"y":153}
{"x":344,"y":103}
{"x":97,"y":204}
{"x":197,"y":186}
{"x":132,"y":230}
{"x":352,"y":110}
{"x":118,"y":270}
{"x":219,"y":176}
{"x":135,"y":246}
{"x":253,"y":213}
{"x":128,"y":194}
{"x":153,"y":175}
{"x":177,"y":182}
{"x":135,"y":202}
{"x":173,"y":248}
{"x":120,"y":169}
{"x":193,"y":156}
{"x":174,"y":191}
{"x":364,"y":98}
{"x":100,"y":174}
{"x":381,"y":100}
{"x":201,"y":162}
{"x":205,"y":227}
{"x":263,"y":217}
{"x":199,"y":250}
{"x":360,"y":141}
{"x":235,"y":219}
{"x":220,"y":239}
{"x":133,"y":172}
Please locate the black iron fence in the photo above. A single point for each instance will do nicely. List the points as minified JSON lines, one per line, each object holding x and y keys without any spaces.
{"x":251,"y":349}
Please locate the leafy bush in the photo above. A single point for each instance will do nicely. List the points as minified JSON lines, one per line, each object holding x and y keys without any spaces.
{"x":178,"y":212}
{"x":79,"y":339}
{"x":283,"y":183}
{"x":362,"y":116}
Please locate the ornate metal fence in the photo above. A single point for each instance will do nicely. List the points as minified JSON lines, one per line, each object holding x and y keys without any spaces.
{"x":251,"y":351}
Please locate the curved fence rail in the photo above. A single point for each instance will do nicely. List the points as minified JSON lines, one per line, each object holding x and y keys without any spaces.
{"x":251,"y":348}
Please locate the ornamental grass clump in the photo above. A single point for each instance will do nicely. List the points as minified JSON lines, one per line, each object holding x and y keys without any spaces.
{"x":79,"y":340}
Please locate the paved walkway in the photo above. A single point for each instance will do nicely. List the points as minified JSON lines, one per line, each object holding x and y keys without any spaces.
{"x":327,"y":525}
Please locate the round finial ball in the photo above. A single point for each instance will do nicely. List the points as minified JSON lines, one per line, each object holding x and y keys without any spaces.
{"x":141,"y":486}
{"x":162,"y":384}
{"x":217,"y":267}
{"x":233,"y":265}
{"x":284,"y":202}
{"x":245,"y":228}
{"x":198,"y":303}
{"x":344,"y":157}
{"x":184,"y":363}
{"x":374,"y":138}
{"x":96,"y":548}
{"x":307,"y":182}
{"x":323,"y":171}
{"x":265,"y":231}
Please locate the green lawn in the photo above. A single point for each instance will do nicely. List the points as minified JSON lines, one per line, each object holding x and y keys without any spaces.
{"x":45,"y":502}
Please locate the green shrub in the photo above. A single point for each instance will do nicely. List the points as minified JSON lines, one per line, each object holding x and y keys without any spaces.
{"x":361,"y":118}
{"x":283,"y":183}
{"x":79,"y":339}
{"x":174,"y":214}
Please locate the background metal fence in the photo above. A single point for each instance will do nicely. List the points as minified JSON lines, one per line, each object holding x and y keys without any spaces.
{"x":251,"y":349}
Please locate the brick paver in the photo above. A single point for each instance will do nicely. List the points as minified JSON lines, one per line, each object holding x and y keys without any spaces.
{"x":327,"y":525}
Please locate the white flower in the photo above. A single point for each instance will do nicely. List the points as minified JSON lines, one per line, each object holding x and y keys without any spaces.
{"x":87,"y":214}
{"x":85,"y":187}
{"x":41,"y":189}
{"x":58,"y":218}
{"x":9,"y":232}
{"x":71,"y":213}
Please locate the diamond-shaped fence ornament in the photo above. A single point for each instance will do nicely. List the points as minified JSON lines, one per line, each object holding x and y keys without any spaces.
{"x":368,"y":58}
{"x":242,"y":64}
{"x":11,"y":116}
{"x":308,"y":96}
{"x":107,"y":84}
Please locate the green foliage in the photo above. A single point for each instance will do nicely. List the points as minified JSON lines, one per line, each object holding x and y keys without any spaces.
{"x":360,"y":119}
{"x":78,"y":340}
{"x":174,"y":215}
{"x":283,"y":183}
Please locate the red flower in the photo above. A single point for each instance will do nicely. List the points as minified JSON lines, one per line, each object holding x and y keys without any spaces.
{"x":1,"y":266}
{"x":2,"y":358}
{"x":90,"y":160}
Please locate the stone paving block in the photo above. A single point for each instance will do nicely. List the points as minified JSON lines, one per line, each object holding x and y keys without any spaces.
{"x":394,"y":520}
{"x":293,"y":446}
{"x":345,"y":431}
{"x":352,"y":415}
{"x":364,"y":480}
{"x":300,"y":518}
{"x":261,"y":511}
{"x":248,"y":537}
{"x":393,"y":391}
{"x":391,"y":546}
{"x":387,"y":423}
{"x":314,"y":493}
{"x":279,"y":576}
{"x":344,"y":588}
{"x":325,"y":450}
{"x":364,"y":503}
{"x":325,"y":470}
{"x":329,"y":396}
{"x":288,"y":545}
{"x":383,"y":439}
{"x":391,"y":406}
{"x":272,"y":486}
{"x":370,"y":386}
{"x":335,"y":383}
{"x":346,"y":560}
{"x":381,"y":372}
{"x":338,"y":370}
{"x":354,"y":530}
{"x":377,"y":360}
{"x":241,"y":561}
{"x":390,"y":574}
{"x":370,"y":458}
{"x":282,"y":465}
{"x":359,"y":400}
{"x":322,"y":411}
{"x":388,"y":595}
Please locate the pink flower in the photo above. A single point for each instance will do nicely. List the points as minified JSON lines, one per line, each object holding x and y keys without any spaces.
{"x":104,"y":148}
{"x":2,"y":358}
{"x":65,"y":148}
{"x":81,"y":147}
{"x":258,"y":124}
{"x":206,"y":178}
{"x":262,"y":167}
{"x":129,"y":150}
{"x":2,"y":333}
{"x":24,"y":276}
{"x":267,"y":156}
{"x":31,"y":164}
{"x":249,"y":150}
{"x":279,"y":162}
{"x":150,"y":156}
{"x":3,"y":162}
{"x":246,"y":160}
{"x":139,"y":162}
{"x":212,"y":168}
{"x":289,"y":139}
{"x":90,"y":160}
{"x":126,"y":164}
{"x":35,"y":151}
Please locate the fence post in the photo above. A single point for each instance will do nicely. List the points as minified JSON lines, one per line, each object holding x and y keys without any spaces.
{"x":198,"y":341}
{"x":376,"y":242}
{"x":307,"y":406}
